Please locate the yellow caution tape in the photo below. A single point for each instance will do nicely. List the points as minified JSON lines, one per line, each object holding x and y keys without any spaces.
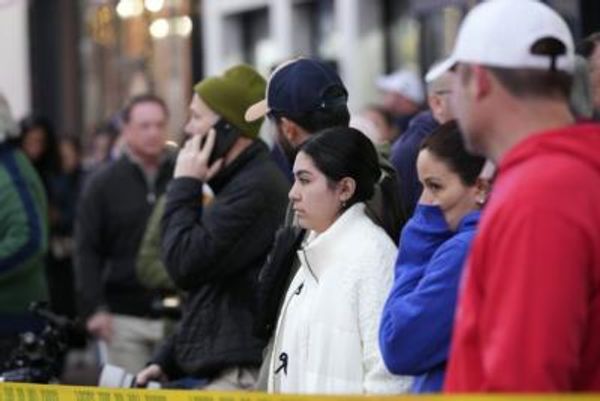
{"x":41,"y":392}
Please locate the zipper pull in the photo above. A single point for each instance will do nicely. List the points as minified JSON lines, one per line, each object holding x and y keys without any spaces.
{"x":283,"y":358}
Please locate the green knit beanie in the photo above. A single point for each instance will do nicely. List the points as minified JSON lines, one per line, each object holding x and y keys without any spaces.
{"x":230,"y":95}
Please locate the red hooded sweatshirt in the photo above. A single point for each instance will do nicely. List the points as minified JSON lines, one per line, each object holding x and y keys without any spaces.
{"x":528,"y":318}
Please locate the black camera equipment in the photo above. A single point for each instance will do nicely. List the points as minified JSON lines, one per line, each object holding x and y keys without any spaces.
{"x":38,"y":356}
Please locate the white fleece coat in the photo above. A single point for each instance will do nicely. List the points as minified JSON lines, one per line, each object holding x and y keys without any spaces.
{"x":327,"y":334}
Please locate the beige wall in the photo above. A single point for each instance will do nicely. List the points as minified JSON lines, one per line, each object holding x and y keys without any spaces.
{"x":14,"y":72}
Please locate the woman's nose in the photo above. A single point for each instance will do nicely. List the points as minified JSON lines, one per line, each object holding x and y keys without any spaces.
{"x":426,"y":197}
{"x":293,"y":194}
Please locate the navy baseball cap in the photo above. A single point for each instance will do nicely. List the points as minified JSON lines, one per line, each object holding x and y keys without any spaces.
{"x":299,"y":86}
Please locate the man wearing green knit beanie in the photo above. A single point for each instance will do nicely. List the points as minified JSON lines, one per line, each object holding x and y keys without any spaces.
{"x":229,"y":94}
{"x":214,"y":252}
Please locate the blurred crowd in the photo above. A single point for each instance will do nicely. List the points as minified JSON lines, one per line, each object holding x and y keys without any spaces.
{"x":446,"y":239}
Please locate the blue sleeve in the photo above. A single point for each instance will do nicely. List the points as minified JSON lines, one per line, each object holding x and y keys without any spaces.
{"x":416,"y":325}
{"x":23,"y":230}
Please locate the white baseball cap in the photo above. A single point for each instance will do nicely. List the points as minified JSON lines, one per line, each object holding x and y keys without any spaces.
{"x":502,"y":33}
{"x":436,"y":70}
{"x":405,"y":82}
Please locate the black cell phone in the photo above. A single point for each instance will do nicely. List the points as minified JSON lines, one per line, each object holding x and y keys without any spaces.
{"x":226,"y":135}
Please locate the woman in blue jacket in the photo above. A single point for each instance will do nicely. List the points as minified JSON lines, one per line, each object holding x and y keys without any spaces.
{"x":418,"y":315}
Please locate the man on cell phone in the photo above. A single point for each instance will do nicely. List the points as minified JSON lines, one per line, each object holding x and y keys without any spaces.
{"x":214,"y":253}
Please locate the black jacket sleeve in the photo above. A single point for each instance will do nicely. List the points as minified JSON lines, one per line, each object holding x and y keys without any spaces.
{"x":195,"y":241}
{"x":275,"y":278}
{"x":89,"y":257}
{"x":165,"y":358}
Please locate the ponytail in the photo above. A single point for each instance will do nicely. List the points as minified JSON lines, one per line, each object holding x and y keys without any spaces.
{"x":346,"y":152}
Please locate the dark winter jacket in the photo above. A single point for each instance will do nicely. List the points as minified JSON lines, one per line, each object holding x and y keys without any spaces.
{"x":115,"y":205}
{"x":215,"y":254}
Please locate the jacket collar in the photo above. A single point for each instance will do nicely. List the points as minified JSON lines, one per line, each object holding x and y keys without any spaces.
{"x":469,"y":222}
{"x":256,"y":150}
{"x":165,"y":159}
{"x":432,"y":217}
{"x":320,"y":251}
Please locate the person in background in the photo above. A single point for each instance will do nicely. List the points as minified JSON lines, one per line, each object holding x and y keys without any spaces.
{"x":403,"y":96}
{"x":370,"y":130}
{"x":406,"y":148}
{"x":214,"y":253}
{"x":150,"y":269}
{"x":102,"y":146}
{"x":439,"y":92}
{"x":377,"y":124}
{"x":326,"y":336}
{"x":433,"y":247}
{"x":23,"y":239}
{"x":115,"y":205}
{"x":590,"y":49}
{"x":64,"y":188}
{"x":38,"y":142}
{"x":528,"y":315}
{"x":383,"y":120}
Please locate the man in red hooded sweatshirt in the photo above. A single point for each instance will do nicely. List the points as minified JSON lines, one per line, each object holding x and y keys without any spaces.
{"x":529,"y":314}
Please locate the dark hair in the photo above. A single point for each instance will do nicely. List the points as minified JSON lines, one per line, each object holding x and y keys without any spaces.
{"x":446,"y":143}
{"x":48,"y":161}
{"x":345,"y":152}
{"x":589,"y":44}
{"x":139,"y":99}
{"x":108,"y":128}
{"x":336,"y":115}
{"x":534,"y":83}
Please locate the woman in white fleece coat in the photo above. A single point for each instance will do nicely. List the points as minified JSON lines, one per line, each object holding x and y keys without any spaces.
{"x":327,"y":335}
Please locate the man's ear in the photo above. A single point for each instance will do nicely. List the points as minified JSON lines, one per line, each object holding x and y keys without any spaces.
{"x":481,"y":81}
{"x":289,"y":130}
{"x":294,"y":133}
{"x":435,"y":103}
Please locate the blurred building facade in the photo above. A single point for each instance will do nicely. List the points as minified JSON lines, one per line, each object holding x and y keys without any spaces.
{"x":15,"y":80}
{"x":78,"y":61}
{"x":363,"y":38}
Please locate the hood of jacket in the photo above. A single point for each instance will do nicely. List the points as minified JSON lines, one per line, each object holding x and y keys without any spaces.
{"x":581,"y":143}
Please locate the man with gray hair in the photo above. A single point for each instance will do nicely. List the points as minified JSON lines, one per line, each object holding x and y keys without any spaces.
{"x":439,"y":91}
{"x":112,"y":214}
{"x":406,"y":148}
